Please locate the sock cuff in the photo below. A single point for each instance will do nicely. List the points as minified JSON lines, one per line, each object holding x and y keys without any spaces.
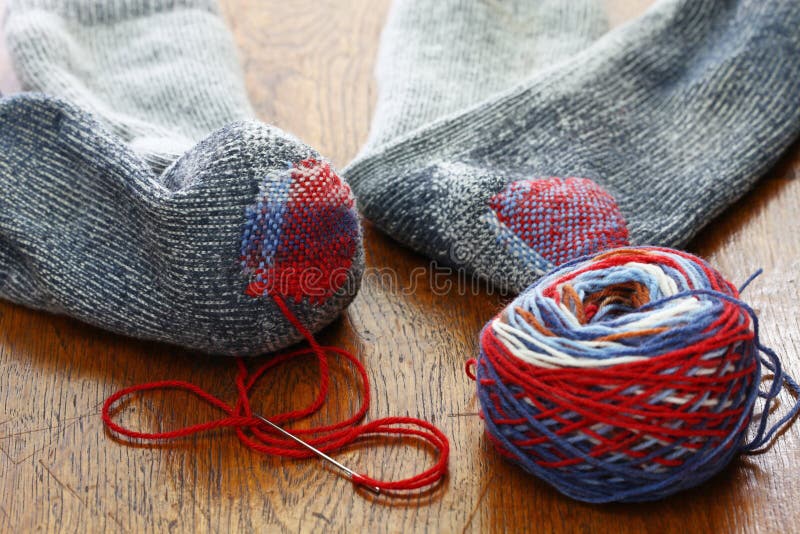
{"x":108,"y":11}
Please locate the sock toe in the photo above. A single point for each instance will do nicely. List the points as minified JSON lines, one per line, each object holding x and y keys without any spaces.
{"x":444,"y":210}
{"x":275,"y":219}
{"x":104,"y":239}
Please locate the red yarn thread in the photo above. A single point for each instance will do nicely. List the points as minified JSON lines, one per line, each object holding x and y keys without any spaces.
{"x":327,"y":438}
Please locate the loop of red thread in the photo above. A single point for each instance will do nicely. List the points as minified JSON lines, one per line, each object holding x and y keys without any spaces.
{"x":327,"y":438}
{"x":469,"y":368}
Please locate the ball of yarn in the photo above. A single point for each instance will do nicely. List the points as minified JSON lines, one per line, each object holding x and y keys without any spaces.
{"x":628,"y":376}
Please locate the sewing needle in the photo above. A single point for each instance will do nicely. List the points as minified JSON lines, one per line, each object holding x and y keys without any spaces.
{"x":354,"y":477}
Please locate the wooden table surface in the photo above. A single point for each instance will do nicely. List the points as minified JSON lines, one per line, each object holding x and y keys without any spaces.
{"x":309,"y":70}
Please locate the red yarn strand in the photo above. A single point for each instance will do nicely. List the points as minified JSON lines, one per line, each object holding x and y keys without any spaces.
{"x":327,"y":438}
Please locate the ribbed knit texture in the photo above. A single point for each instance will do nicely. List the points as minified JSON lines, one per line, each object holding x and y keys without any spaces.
{"x":161,"y":74}
{"x":437,"y":58}
{"x":674,"y":116}
{"x":136,"y":198}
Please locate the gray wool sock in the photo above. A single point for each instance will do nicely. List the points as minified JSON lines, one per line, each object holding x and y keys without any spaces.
{"x":196,"y":253}
{"x":466,"y":51}
{"x":159,"y":74}
{"x":641,"y":138}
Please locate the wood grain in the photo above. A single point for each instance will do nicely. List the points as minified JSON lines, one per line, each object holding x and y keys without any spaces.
{"x":309,"y":70}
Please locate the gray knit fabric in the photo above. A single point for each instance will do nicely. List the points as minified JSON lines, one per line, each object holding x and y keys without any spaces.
{"x":674,"y":116}
{"x":90,"y":226}
{"x":159,"y":74}
{"x":466,"y":51}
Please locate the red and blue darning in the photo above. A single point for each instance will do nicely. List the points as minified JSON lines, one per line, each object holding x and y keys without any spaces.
{"x":559,"y":218}
{"x":301,"y":235}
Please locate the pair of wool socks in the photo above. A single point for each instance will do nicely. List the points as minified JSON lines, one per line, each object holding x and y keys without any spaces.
{"x":509,"y":137}
{"x":139,"y":195}
{"x":506,"y":142}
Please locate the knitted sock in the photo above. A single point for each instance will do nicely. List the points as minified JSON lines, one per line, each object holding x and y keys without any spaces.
{"x":193,"y":255}
{"x":652,"y":131}
{"x":465,"y":51}
{"x":160,"y":74}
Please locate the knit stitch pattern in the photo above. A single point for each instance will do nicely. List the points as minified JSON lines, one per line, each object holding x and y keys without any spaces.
{"x":561,"y":219}
{"x":440,"y":57}
{"x":125,"y":193}
{"x":675,"y":115}
{"x":301,"y":236}
{"x":161,"y":74}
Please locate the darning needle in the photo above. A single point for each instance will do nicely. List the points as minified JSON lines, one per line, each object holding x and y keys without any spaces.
{"x":354,"y":477}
